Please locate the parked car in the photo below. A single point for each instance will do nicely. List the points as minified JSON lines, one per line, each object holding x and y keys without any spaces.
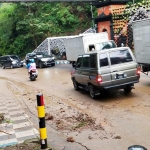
{"x":29,"y":56}
{"x":41,"y":59}
{"x":11,"y":61}
{"x":104,"y":70}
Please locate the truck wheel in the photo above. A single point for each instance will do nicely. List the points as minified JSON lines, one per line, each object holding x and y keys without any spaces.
{"x":40,"y":65}
{"x":75,"y":84}
{"x":92,"y":91}
{"x":128,"y":89}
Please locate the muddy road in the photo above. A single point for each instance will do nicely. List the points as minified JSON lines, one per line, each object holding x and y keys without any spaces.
{"x":112,"y":122}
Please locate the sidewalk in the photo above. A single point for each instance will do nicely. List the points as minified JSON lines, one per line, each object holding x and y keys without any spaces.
{"x":16,"y":127}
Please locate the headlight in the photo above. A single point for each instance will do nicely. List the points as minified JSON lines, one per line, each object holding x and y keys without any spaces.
{"x":14,"y":62}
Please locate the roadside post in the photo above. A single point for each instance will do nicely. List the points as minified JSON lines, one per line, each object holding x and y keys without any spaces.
{"x":42,"y":125}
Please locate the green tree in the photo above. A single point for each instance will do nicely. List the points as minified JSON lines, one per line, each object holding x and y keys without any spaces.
{"x":25,"y":25}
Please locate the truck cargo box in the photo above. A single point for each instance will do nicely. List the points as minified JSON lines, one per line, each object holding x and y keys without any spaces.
{"x":141,"y":38}
{"x":81,"y":44}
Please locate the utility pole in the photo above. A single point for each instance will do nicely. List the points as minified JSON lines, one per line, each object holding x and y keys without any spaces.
{"x":92,"y":14}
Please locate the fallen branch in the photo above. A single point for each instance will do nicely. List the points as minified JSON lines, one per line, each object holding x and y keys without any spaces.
{"x":5,"y":132}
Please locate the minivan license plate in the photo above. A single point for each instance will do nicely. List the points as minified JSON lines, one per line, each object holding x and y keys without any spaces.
{"x":119,"y":76}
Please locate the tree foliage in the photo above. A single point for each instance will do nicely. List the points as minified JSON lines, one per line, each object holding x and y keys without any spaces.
{"x":25,"y":25}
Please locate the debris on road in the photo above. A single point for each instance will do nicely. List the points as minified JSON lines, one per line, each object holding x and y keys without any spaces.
{"x":70,"y":139}
{"x":117,"y":137}
{"x":48,"y":116}
{"x":1,"y":117}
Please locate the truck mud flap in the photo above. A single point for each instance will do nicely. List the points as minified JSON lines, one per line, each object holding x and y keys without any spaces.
{"x":145,"y":69}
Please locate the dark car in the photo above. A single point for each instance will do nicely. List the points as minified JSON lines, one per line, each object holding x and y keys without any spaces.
{"x":11,"y":61}
{"x":29,"y":56}
{"x":41,"y":59}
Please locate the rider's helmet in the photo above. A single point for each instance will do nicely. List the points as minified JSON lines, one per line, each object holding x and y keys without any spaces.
{"x":31,"y":60}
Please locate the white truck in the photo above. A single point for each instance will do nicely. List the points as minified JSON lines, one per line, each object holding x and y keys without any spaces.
{"x":83,"y":43}
{"x":141,"y":39}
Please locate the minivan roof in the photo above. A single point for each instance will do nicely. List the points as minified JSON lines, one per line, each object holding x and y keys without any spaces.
{"x":106,"y":50}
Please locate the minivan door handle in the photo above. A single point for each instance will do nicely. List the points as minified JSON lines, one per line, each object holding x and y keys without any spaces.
{"x":115,"y":71}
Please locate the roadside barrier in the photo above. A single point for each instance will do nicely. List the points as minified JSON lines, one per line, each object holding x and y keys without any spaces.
{"x":42,"y":125}
{"x":56,"y":62}
{"x":61,"y":62}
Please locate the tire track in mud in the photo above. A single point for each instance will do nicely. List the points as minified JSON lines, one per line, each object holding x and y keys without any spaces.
{"x":61,"y":116}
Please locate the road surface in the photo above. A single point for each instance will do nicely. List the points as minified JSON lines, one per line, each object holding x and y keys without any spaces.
{"x":114,"y":121}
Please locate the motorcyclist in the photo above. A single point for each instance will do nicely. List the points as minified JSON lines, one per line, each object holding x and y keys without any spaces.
{"x":31,"y":65}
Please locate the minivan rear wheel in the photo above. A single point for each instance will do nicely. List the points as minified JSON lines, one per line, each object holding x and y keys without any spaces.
{"x":92,"y":91}
{"x":75,"y":84}
{"x":128,"y":89}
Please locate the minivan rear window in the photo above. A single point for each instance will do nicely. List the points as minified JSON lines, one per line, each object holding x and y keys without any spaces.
{"x":120,"y":56}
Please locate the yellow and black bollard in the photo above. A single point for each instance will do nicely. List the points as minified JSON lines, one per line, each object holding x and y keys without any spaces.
{"x":42,"y":125}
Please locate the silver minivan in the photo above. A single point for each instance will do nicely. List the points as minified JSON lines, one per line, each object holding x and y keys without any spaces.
{"x":103,"y":70}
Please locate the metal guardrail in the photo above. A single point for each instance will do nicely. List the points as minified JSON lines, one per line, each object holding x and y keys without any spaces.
{"x":56,"y":62}
{"x":61,"y":62}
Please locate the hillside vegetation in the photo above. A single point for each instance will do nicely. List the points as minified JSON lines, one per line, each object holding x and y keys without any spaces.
{"x":23,"y":26}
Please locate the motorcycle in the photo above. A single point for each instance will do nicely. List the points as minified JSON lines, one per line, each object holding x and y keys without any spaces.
{"x":33,"y":74}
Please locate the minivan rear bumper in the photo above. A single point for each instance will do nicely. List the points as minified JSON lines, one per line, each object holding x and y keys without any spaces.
{"x":121,"y":86}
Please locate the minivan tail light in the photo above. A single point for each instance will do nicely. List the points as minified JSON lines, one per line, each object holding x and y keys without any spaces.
{"x":138,"y":71}
{"x":72,"y":72}
{"x":99,"y":78}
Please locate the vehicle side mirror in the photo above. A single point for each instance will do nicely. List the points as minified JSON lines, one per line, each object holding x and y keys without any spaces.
{"x":78,"y":65}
